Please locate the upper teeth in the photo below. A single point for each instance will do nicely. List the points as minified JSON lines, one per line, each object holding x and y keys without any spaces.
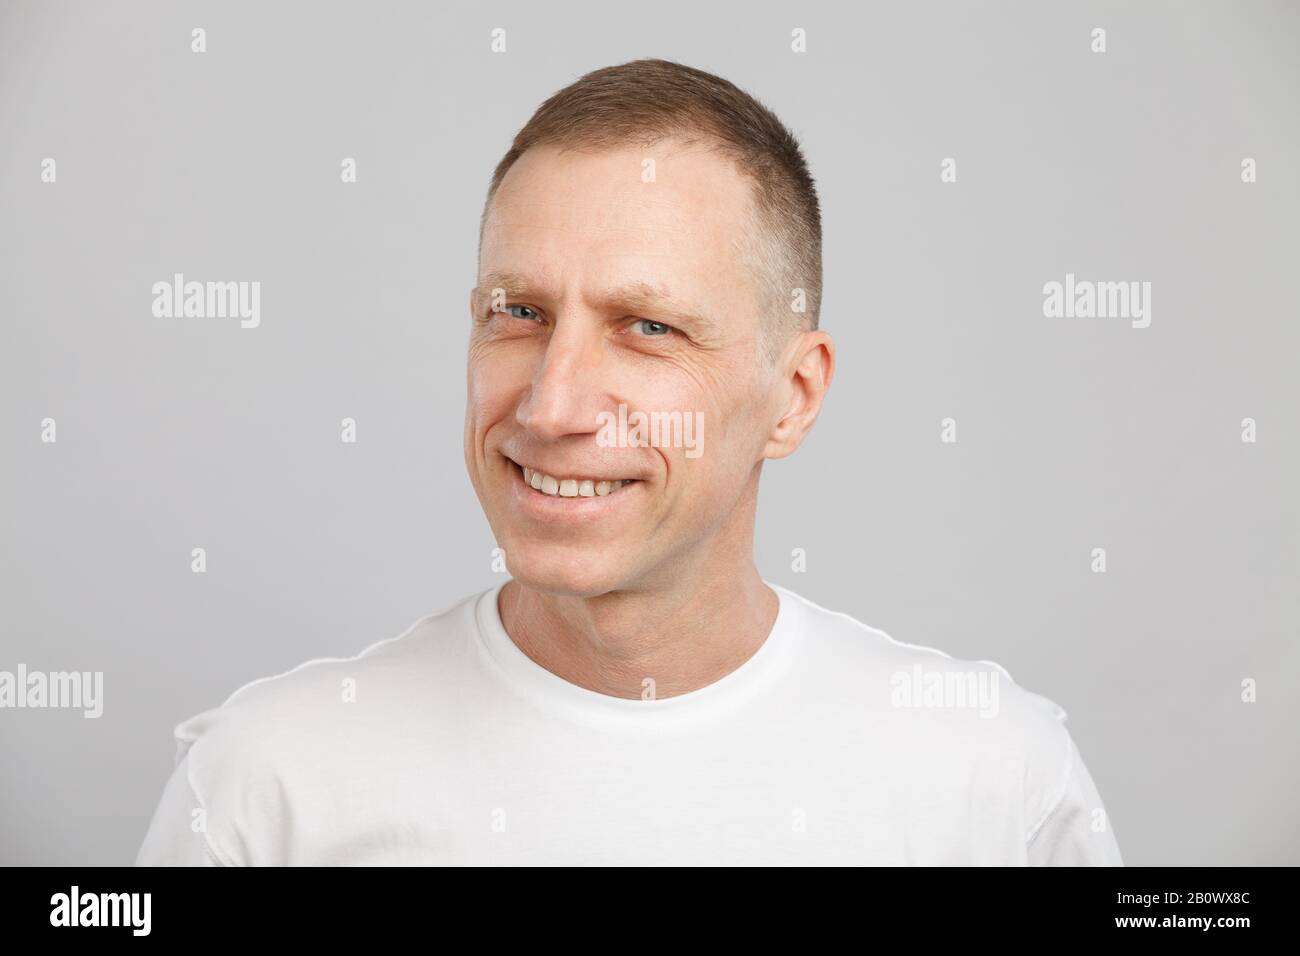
{"x":569,"y":487}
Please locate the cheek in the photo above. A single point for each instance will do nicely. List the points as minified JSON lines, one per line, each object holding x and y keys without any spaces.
{"x":494,"y":382}
{"x":729,"y":434}
{"x":734,"y":412}
{"x":711,"y":386}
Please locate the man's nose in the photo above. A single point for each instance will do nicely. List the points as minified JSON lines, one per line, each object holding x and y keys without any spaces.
{"x":567,"y":391}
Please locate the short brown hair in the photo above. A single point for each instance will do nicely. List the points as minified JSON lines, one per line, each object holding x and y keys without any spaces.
{"x":644,"y":101}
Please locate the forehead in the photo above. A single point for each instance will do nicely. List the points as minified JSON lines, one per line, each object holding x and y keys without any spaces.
{"x":580,"y":218}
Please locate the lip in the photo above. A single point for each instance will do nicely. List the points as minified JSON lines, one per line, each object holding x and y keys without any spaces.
{"x":564,"y":471}
{"x":544,"y":507}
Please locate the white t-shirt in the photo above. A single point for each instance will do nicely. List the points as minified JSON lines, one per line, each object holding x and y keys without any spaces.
{"x":832,"y":744}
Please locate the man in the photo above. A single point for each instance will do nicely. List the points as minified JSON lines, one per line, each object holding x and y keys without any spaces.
{"x":635,"y":693}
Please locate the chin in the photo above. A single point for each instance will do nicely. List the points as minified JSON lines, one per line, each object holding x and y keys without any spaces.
{"x":556,"y":570}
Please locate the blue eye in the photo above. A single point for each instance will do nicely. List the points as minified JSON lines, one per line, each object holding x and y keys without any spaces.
{"x":529,"y":308}
{"x":652,"y":327}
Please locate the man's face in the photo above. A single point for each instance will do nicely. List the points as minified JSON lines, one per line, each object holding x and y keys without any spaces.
{"x":616,"y":291}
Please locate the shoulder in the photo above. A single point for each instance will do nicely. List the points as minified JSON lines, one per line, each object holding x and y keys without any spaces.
{"x":326,"y":702}
{"x":960,"y":712}
{"x":254,"y":767}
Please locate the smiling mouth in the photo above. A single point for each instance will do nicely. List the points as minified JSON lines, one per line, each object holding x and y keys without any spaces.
{"x":569,"y":487}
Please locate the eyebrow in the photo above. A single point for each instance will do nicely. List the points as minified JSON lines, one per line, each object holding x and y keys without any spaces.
{"x":637,"y":295}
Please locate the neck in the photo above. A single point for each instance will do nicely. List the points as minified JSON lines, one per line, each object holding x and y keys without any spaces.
{"x":682,"y":635}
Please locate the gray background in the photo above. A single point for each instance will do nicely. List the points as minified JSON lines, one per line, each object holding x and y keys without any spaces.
{"x":1072,"y":433}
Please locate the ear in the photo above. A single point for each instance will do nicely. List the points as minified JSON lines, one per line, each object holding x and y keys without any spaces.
{"x":806,"y":368}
